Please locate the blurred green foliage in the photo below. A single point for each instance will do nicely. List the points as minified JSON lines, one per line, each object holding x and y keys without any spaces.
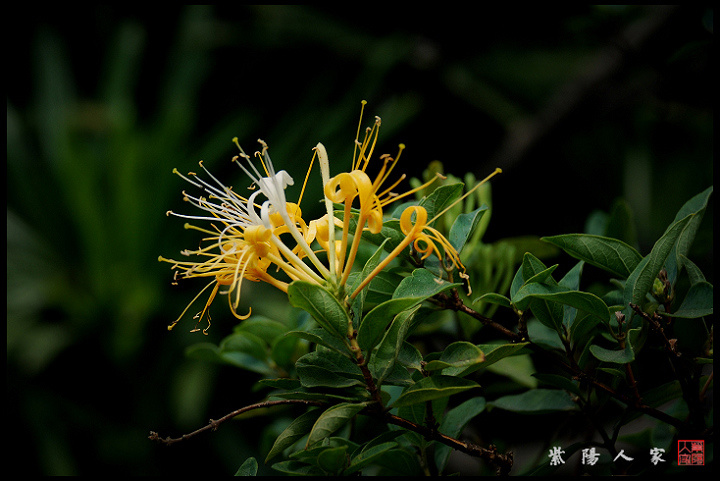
{"x":579,"y":106}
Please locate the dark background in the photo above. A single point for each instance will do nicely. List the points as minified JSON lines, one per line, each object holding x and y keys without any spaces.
{"x":579,"y":105}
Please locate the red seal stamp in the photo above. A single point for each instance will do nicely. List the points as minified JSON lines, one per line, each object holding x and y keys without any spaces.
{"x":691,"y":452}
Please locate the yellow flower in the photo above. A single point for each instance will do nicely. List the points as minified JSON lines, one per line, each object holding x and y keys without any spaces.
{"x":424,"y":238}
{"x":250,"y":235}
{"x":244,"y":243}
{"x":371,"y":195}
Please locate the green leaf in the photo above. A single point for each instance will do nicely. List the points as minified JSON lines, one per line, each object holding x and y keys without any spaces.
{"x":559,"y":381}
{"x":433,"y":387}
{"x":422,"y":284}
{"x":541,"y":276}
{"x":457,"y":359}
{"x":698,"y":302}
{"x":617,"y":356}
{"x":368,"y":456}
{"x":697,"y":205}
{"x":399,"y":462}
{"x":246,"y":342}
{"x":583,"y":328}
{"x":356,"y":394}
{"x":266,"y":329}
{"x":571,"y":280}
{"x":536,"y":401}
{"x":495,"y":352}
{"x":297,"y":468}
{"x":463,"y":227}
{"x":532,"y":270}
{"x":410,"y":357}
{"x":328,"y":369}
{"x":519,"y":369}
{"x":324,"y":338}
{"x":333,"y":419}
{"x":532,"y":266}
{"x":642,"y":277}
{"x":694,"y":273}
{"x":453,"y":423}
{"x":660,"y":395}
{"x":298,"y":428}
{"x":322,"y":305}
{"x":412,"y":290}
{"x":612,"y":255}
{"x":493,"y":298}
{"x":582,"y":301}
{"x":333,"y":460}
{"x":441,"y":198}
{"x":248,"y":468}
{"x":374,"y":323}
{"x":383,"y":357}
{"x":613,"y":372}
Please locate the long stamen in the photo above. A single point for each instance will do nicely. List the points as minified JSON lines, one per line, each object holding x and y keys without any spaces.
{"x":294,"y":259}
{"x":498,"y":170}
{"x":307,"y":176}
{"x":392,"y":163}
{"x":369,"y":138}
{"x":170,"y":327}
{"x":409,"y":192}
{"x":264,"y":155}
{"x":357,"y":134}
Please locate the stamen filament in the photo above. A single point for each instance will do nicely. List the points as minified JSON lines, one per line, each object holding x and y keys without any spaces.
{"x":498,"y":170}
{"x":307,"y":176}
{"x":357,"y":134}
{"x":294,"y":259}
{"x":170,"y":327}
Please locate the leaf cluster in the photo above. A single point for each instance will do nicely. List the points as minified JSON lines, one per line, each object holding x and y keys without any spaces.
{"x":394,"y":389}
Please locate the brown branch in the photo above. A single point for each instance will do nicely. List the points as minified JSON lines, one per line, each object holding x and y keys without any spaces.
{"x":688,"y":383}
{"x":502,"y":461}
{"x":213,"y":424}
{"x":456,"y":304}
{"x":654,"y":321}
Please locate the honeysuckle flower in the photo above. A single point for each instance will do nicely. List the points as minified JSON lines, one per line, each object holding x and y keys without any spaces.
{"x":372,"y":195}
{"x":424,"y":238}
{"x":273,"y":188}
{"x":245,"y":238}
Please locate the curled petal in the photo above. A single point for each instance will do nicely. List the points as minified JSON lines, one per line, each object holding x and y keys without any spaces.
{"x":406,"y":224}
{"x":375,"y":220}
{"x":425,"y":246}
{"x":341,"y":188}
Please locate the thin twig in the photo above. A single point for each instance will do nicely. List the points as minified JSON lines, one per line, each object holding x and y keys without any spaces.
{"x":456,"y":304}
{"x":502,"y":461}
{"x":214,"y":423}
